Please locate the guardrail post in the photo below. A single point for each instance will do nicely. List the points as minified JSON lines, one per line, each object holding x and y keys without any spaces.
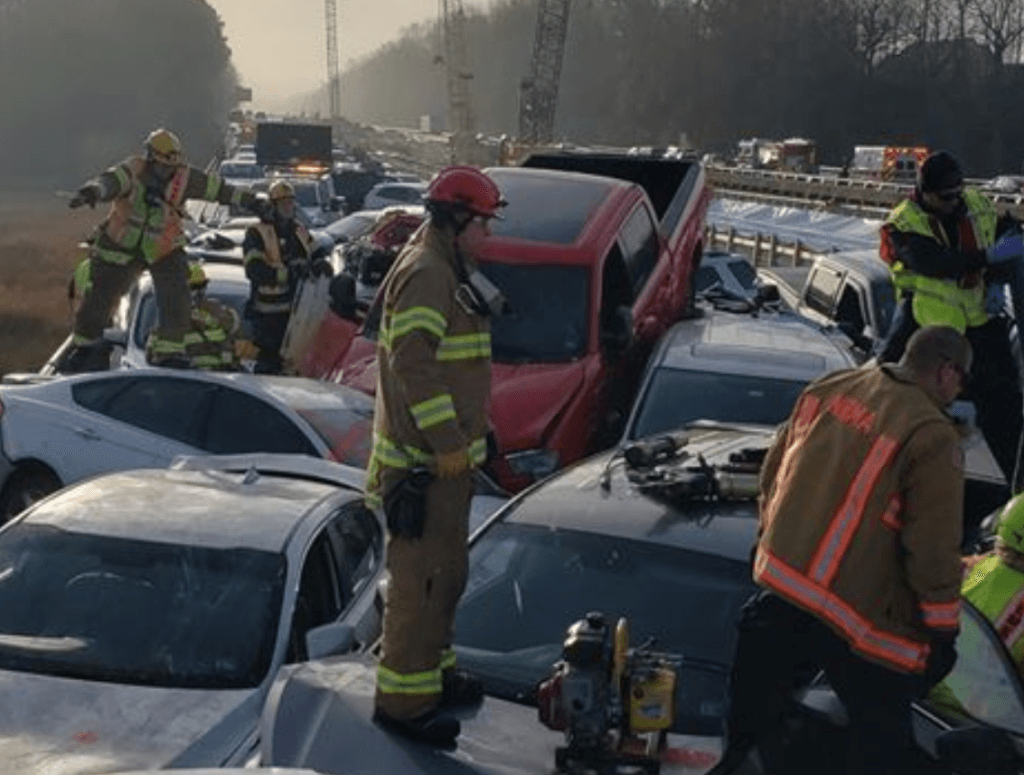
{"x":756,"y":249}
{"x":773,"y":247}
{"x":730,"y":239}
{"x":798,"y":249}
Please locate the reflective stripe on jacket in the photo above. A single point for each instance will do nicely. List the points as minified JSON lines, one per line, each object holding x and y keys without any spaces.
{"x":861,"y":514}
{"x":940,"y":301}
{"x":147,"y":224}
{"x":434,"y":365}
{"x":997,"y":590}
{"x":275,"y":297}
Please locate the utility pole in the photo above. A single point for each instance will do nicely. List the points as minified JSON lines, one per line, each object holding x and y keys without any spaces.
{"x":538,"y":93}
{"x":333,"y":73}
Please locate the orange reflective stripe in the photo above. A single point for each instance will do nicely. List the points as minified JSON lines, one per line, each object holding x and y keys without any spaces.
{"x":845,"y":522}
{"x":176,"y":188}
{"x":941,"y":616}
{"x":805,"y":412}
{"x":850,"y":411}
{"x":891,"y":515}
{"x":1010,"y":622}
{"x":905,"y":654}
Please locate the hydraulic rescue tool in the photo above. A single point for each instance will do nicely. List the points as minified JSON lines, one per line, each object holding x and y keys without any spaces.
{"x":615,"y":704}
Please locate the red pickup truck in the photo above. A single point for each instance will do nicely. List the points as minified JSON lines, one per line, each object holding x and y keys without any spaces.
{"x":595,"y":257}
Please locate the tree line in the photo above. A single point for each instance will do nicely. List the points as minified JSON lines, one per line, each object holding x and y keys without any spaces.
{"x":942,"y":73}
{"x":82,"y":82}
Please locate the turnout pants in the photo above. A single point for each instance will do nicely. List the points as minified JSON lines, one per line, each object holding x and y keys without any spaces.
{"x":110,"y":281}
{"x":426,"y":578}
{"x":780,"y":650}
{"x":268,"y":330}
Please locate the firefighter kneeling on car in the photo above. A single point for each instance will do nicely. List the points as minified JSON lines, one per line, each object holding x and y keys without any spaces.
{"x":430,"y":429}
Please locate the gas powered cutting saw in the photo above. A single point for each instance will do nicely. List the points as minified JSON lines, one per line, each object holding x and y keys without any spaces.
{"x":615,"y":704}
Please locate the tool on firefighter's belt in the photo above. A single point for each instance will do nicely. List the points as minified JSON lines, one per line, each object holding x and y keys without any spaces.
{"x":405,"y":504}
{"x":615,"y":704}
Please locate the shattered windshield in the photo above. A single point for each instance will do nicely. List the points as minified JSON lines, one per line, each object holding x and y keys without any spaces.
{"x":136,"y":612}
{"x":528,"y":583}
{"x":678,"y":396}
{"x":547,"y":318}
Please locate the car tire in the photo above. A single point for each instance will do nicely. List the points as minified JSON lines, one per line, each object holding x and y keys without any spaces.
{"x":24,"y":487}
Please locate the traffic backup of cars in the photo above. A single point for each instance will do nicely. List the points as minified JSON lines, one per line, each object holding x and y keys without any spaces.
{"x":190,"y":576}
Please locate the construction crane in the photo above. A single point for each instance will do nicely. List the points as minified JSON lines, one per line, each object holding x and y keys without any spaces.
{"x":461,"y":120}
{"x":538,"y":92}
{"x":333,"y":74}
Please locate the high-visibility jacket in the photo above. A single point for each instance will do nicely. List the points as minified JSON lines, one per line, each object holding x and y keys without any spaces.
{"x":210,"y":343}
{"x":997,"y":590}
{"x":434,"y":365}
{"x":267,"y":255}
{"x":939,"y":301}
{"x":861,"y":514}
{"x":146,"y":223}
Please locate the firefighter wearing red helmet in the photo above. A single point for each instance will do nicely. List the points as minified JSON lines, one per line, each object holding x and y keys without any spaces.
{"x":143,"y":230}
{"x":430,"y":428}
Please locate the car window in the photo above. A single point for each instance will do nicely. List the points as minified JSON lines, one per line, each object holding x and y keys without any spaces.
{"x":640,"y":247}
{"x":136,"y":612}
{"x":168,"y":406}
{"x":145,"y":320}
{"x":241,"y":422}
{"x":548,"y":319}
{"x":822,"y":287}
{"x":983,"y":683}
{"x":95,"y":395}
{"x":675,"y":397}
{"x":744,"y":272}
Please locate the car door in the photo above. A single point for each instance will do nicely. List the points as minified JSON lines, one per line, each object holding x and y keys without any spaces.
{"x":341,"y":560}
{"x":641,"y":249}
{"x":119,"y":423}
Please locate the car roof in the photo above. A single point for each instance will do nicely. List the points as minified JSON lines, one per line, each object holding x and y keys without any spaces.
{"x":575,"y":499}
{"x":772,"y":344}
{"x":214,"y":509}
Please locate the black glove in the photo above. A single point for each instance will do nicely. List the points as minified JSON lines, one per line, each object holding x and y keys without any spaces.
{"x":299,"y":270}
{"x":940,"y":660}
{"x":322,"y":268}
{"x":405,"y":504}
{"x":89,"y":194}
{"x":261,"y":207}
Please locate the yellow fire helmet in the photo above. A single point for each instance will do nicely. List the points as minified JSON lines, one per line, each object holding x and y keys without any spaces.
{"x":281,"y":189}
{"x":164,"y":147}
{"x":196,"y":276}
{"x":1011,"y":524}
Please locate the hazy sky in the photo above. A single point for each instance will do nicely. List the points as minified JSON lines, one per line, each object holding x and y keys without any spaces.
{"x":279,"y":46}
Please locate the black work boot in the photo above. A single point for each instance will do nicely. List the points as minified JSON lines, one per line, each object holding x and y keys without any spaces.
{"x":434,"y":727}
{"x":459,"y":689}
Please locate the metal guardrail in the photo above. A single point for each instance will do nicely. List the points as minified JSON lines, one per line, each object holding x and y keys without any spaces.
{"x":761,"y":249}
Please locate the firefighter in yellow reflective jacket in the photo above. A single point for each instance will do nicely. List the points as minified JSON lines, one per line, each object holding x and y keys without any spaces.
{"x":947,"y":248}
{"x":210,"y":344}
{"x":996,"y":584}
{"x":279,"y":253}
{"x":430,"y":430}
{"x":143,"y":230}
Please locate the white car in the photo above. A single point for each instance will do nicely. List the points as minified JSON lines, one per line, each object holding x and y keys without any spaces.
{"x":144,"y":615}
{"x":389,"y":194}
{"x":59,"y":430}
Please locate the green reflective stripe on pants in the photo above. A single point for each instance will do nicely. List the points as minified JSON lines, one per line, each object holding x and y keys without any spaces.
{"x":433,"y":411}
{"x":212,"y":186}
{"x":427,"y":682}
{"x":447,"y":659}
{"x":478,"y":451}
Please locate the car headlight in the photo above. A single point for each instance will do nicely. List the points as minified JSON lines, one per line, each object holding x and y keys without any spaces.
{"x":537,"y":463}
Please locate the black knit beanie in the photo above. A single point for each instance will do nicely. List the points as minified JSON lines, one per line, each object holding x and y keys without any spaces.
{"x":940,"y":172}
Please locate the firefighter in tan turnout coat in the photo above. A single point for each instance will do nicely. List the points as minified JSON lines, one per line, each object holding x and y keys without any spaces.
{"x":430,"y":430}
{"x":143,"y":230}
{"x":858,"y":556}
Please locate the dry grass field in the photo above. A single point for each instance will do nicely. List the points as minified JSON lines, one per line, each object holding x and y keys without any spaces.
{"x":38,"y":251}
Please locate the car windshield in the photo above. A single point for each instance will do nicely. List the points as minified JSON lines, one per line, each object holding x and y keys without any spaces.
{"x":137,"y":612}
{"x":347,"y":432}
{"x":146,"y":319}
{"x":545,"y":208}
{"x":678,"y":396}
{"x":351,"y":226}
{"x":547,"y":321}
{"x":306,"y":193}
{"x":528,"y":583}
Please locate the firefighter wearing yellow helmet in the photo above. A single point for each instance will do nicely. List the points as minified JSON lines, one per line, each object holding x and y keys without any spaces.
{"x":996,"y":584}
{"x":143,"y":230}
{"x":279,"y":254}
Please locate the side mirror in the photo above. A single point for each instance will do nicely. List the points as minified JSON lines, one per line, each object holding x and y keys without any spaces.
{"x":115,"y":336}
{"x":768,"y":294}
{"x":978,"y":750}
{"x":330,"y":640}
{"x":617,"y":330}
